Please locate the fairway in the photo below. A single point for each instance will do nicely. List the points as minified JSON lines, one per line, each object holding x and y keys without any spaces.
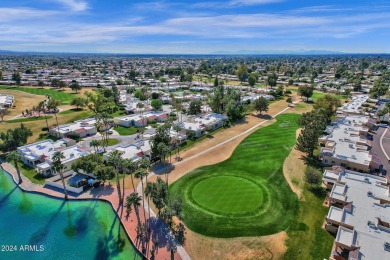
{"x":65,"y":98}
{"x":246,"y":195}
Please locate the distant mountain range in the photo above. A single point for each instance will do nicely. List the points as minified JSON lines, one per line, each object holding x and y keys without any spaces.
{"x":239,"y":52}
{"x":281,"y":52}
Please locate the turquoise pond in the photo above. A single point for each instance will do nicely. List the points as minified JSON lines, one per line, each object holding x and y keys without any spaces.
{"x":66,"y":230}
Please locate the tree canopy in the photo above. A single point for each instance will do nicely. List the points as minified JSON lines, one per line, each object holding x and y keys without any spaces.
{"x":306,"y":91}
{"x":261,"y":104}
{"x":13,"y":138}
{"x":195,"y":107}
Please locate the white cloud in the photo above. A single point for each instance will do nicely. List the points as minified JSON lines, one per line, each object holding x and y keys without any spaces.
{"x":252,"y":2}
{"x":233,"y":3}
{"x":21,"y":13}
{"x":74,"y":5}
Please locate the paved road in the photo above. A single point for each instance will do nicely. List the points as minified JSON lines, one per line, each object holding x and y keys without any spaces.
{"x":381,"y":146}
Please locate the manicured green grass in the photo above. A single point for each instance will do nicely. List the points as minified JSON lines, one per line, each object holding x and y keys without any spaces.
{"x":66,"y":98}
{"x":267,"y":204}
{"x":83,"y":115}
{"x":307,"y":239}
{"x":127,"y":130}
{"x":31,"y":174}
{"x":111,"y":141}
{"x":318,"y":94}
{"x":207,"y":191}
{"x":21,"y":120}
{"x":70,"y":111}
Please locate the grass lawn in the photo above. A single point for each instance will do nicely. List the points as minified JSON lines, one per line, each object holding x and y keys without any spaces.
{"x":70,"y":111}
{"x":246,"y":195}
{"x":307,"y":238}
{"x":82,"y":115}
{"x":66,"y":98}
{"x":31,"y":174}
{"x":118,"y":113}
{"x":28,"y":119}
{"x":127,"y":130}
{"x":318,"y":94}
{"x":111,"y":141}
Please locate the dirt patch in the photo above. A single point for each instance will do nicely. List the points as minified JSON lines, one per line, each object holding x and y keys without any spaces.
{"x":23,"y":101}
{"x":293,"y":170}
{"x":266,"y":247}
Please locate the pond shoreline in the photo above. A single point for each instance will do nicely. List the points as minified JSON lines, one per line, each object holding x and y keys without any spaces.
{"x":129,"y":224}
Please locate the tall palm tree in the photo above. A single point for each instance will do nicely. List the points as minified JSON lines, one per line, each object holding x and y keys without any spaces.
{"x":135,"y":200}
{"x":140,"y":174}
{"x":58,"y":168}
{"x":140,"y":106}
{"x":53,"y":105}
{"x":148,"y":193}
{"x":164,"y":150}
{"x":14,"y":157}
{"x":128,"y":168}
{"x":42,"y":108}
{"x":128,"y":205}
{"x":95,"y":144}
{"x":177,"y":129}
{"x":115,"y":160}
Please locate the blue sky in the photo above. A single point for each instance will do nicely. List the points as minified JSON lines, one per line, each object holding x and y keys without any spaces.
{"x":194,"y":27}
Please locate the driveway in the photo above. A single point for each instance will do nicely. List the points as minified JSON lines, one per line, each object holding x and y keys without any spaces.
{"x":377,"y":148}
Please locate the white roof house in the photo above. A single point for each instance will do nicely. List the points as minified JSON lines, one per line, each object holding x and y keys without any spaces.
{"x":355,"y":106}
{"x":6,"y":101}
{"x":131,"y":120}
{"x":39,"y":155}
{"x":363,"y":222}
{"x":346,"y":144}
{"x":85,"y":127}
{"x":211,"y":121}
{"x":135,"y":151}
{"x":196,"y":128}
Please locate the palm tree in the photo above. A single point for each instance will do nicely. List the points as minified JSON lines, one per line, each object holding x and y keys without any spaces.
{"x":177,"y":129}
{"x":140,"y":106}
{"x":148,"y":193}
{"x":128,"y":167}
{"x":95,"y":144}
{"x":14,"y":157}
{"x":164,"y":150}
{"x":53,"y":105}
{"x":58,"y":168}
{"x":140,"y":174}
{"x":115,"y":160}
{"x":42,"y":108}
{"x":128,"y":205}
{"x":135,"y":200}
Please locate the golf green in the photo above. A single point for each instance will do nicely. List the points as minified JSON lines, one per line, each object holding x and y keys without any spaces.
{"x":247,"y":194}
{"x":227,"y":194}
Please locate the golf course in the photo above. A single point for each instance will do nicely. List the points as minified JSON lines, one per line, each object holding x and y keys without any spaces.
{"x":246,"y":195}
